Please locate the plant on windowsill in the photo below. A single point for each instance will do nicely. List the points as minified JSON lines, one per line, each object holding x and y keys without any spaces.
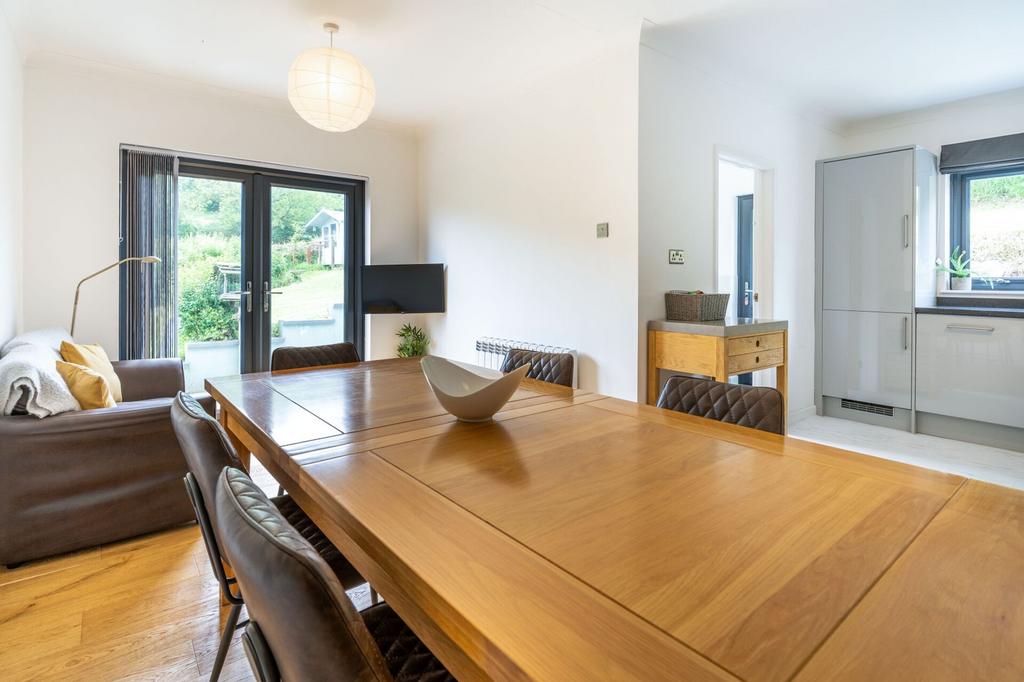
{"x":413,"y":342}
{"x":958,"y":270}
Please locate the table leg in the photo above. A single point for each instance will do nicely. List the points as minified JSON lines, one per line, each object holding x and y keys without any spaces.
{"x":652,"y":370}
{"x":243,"y":452}
{"x":781,"y":379}
{"x":721,"y":371}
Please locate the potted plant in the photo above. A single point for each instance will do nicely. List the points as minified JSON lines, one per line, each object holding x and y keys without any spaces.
{"x":958,"y":270}
{"x":413,"y":342}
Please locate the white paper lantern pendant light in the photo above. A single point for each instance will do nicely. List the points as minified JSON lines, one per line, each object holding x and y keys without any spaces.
{"x":331,"y":89}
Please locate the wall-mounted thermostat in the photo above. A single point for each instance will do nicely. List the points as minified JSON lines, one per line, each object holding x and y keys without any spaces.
{"x":677,"y":256}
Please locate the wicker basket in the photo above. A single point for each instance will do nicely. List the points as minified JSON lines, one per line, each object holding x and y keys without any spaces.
{"x":695,"y":306}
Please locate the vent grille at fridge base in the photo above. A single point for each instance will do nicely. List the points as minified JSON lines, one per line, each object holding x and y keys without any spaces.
{"x":871,"y":408}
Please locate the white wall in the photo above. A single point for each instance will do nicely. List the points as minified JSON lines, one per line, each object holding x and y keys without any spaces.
{"x":969,"y":119}
{"x":511,"y":197}
{"x":687,"y":111}
{"x":76,"y":116}
{"x":10,"y":182}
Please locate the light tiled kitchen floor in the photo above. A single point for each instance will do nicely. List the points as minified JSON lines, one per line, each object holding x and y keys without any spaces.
{"x":993,"y":465}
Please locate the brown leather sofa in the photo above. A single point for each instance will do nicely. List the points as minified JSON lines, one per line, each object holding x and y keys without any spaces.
{"x":81,"y":479}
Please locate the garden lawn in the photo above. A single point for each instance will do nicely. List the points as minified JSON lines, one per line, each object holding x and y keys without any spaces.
{"x":311,"y":297}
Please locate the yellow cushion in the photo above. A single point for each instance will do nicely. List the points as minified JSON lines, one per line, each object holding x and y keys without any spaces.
{"x":95,"y":358}
{"x":89,"y":388}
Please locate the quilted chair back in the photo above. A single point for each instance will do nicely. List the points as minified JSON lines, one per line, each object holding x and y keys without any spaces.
{"x":204,"y":443}
{"x":299,"y":608}
{"x":757,"y":407}
{"x":553,"y":368}
{"x":301,"y":357}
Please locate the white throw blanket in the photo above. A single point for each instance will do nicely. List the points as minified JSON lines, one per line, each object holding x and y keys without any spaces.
{"x":28,"y":368}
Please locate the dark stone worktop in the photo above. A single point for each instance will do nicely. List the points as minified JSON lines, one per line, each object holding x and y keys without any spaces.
{"x":974,"y":311}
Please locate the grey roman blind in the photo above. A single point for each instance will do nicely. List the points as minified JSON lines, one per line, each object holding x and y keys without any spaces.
{"x":978,"y":155}
{"x":150,"y":223}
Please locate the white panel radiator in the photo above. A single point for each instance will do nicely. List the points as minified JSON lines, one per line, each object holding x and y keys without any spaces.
{"x":490,"y":352}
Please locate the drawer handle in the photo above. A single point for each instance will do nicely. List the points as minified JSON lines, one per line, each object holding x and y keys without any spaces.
{"x":757,"y":359}
{"x":970,"y":328}
{"x":757,"y":343}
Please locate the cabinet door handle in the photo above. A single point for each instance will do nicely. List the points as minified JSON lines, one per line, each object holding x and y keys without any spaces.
{"x":906,"y":333}
{"x":969,"y":328}
{"x":906,"y":231}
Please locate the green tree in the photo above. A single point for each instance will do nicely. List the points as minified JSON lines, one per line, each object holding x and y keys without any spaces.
{"x":202,"y":316}
{"x":291,"y":209}
{"x":208,"y":207}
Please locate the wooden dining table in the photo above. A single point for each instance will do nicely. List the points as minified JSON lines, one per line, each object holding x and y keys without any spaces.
{"x":582,"y":537}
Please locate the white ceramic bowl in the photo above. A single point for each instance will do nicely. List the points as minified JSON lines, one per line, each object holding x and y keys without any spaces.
{"x":466,"y":395}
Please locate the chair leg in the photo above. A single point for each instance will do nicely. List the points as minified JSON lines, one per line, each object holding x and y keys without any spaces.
{"x":225,"y":641}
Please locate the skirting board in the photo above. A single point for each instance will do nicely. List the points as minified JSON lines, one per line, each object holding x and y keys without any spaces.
{"x":801,"y":414}
{"x":968,"y":430}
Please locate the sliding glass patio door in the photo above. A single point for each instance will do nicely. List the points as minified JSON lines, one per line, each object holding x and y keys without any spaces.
{"x":265,"y":259}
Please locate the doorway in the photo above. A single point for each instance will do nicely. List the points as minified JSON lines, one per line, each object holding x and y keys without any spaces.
{"x":743,"y":289}
{"x":744,"y":256}
{"x":266,"y":258}
{"x":743,"y":244}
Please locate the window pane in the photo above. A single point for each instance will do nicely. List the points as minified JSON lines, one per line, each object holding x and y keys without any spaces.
{"x":209,"y":277}
{"x":307,"y":253}
{"x":997,"y":226}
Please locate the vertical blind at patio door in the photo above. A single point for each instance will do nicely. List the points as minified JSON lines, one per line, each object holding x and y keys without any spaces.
{"x":149,"y":228}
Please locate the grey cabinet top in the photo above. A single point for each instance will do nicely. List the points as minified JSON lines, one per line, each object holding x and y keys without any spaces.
{"x":734,"y":326}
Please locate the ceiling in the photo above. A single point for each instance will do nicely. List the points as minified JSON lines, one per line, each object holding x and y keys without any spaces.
{"x":850,"y":60}
{"x":847,"y":59}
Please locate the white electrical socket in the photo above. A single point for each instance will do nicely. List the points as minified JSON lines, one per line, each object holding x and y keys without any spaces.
{"x":677,"y":256}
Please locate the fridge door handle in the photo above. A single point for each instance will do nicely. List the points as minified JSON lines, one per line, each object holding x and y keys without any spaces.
{"x":906,"y":231}
{"x":906,"y":333}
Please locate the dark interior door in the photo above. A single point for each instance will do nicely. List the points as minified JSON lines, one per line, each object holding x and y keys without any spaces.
{"x":745,"y":263}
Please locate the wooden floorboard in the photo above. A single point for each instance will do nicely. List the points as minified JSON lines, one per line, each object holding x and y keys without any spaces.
{"x":146,"y":608}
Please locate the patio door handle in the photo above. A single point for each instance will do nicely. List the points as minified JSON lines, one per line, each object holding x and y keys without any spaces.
{"x":247,"y":294}
{"x":267,"y":293}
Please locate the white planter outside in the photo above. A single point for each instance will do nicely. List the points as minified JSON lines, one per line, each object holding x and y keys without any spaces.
{"x":960,"y":283}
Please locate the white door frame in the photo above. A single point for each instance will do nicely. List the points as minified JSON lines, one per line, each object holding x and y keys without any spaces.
{"x":764,"y":224}
{"x":764,"y":234}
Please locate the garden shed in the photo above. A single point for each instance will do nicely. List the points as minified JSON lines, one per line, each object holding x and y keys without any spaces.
{"x":332,"y":235}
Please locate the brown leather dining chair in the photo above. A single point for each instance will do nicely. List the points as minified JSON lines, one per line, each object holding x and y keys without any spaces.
{"x":302,"y":625}
{"x":301,"y":357}
{"x":757,"y":407}
{"x":207,"y":452}
{"x":553,"y":368}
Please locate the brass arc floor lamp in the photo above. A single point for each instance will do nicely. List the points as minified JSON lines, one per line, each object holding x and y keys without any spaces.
{"x":74,"y":310}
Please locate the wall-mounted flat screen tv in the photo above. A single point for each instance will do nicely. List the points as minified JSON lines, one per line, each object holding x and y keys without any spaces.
{"x":403,"y":288}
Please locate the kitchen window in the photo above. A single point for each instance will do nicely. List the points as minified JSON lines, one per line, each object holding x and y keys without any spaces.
{"x":987,"y":223}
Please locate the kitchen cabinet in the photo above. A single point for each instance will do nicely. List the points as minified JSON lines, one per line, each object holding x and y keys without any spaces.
{"x":868,"y":357}
{"x":868,"y":236}
{"x":971,"y":367}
